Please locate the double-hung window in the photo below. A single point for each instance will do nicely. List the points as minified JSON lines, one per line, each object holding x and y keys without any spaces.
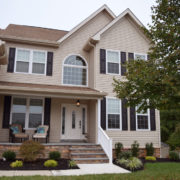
{"x":113,"y":62}
{"x":30,"y":61}
{"x":27,"y":111}
{"x":114,"y":113}
{"x":140,"y":56}
{"x":142,"y":120}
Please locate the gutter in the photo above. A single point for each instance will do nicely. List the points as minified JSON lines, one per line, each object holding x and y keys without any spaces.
{"x":29,"y":41}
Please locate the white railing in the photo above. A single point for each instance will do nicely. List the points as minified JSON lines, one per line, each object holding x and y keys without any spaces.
{"x":105,"y":142}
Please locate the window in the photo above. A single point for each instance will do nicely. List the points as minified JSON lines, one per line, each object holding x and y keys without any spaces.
{"x":142,"y":120}
{"x":27,"y":111}
{"x":30,"y":61}
{"x":140,"y":56}
{"x":113,"y":113}
{"x":75,"y":71}
{"x":113,"y":62}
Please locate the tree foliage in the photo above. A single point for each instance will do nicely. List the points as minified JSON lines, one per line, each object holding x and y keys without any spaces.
{"x":155,"y":83}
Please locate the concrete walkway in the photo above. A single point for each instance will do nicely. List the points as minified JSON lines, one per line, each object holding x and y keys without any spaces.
{"x":84,"y":170}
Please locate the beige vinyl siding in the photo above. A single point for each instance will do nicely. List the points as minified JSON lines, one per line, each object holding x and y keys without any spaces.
{"x":73,"y":45}
{"x":124,"y":36}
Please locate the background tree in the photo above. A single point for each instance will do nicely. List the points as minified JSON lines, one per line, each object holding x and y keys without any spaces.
{"x":156,"y":83}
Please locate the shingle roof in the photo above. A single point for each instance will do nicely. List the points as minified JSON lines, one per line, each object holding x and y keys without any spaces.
{"x":33,"y":32}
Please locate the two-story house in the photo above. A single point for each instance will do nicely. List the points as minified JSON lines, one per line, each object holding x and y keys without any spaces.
{"x":64,"y":80}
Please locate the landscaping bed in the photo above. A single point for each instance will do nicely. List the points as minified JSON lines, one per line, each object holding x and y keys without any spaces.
{"x":63,"y":164}
{"x":159,"y":160}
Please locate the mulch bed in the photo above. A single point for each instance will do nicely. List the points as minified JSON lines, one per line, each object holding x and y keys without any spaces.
{"x":63,"y":164}
{"x":162,"y":160}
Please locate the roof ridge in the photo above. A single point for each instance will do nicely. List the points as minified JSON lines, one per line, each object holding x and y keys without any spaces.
{"x":36,"y":27}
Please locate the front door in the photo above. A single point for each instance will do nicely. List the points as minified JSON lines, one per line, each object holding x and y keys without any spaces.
{"x":73,"y":122}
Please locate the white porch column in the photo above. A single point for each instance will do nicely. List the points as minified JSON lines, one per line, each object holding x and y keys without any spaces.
{"x":99,"y":118}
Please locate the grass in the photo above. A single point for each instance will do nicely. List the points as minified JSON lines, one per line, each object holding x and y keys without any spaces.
{"x":153,"y":171}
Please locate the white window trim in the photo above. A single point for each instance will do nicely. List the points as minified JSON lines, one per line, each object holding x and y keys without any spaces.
{"x":143,"y":54}
{"x":148,"y":114}
{"x":31,"y":61}
{"x":27,"y":110}
{"x":113,"y":129}
{"x":75,"y":66}
{"x":110,"y":50}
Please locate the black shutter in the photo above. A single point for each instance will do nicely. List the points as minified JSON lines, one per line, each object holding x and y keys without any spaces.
{"x":11,"y":60}
{"x":103,"y":113}
{"x":7,"y":109}
{"x":132,"y":118}
{"x":130,"y":56}
{"x":47,"y":111}
{"x":152,"y":119}
{"x":102,"y":61}
{"x":123,"y":62}
{"x":124,"y":115}
{"x":49,"y":63}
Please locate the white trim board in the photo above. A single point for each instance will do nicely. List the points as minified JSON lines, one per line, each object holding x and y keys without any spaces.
{"x":104,"y":7}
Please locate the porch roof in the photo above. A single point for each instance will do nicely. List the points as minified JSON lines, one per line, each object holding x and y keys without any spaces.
{"x":50,"y":90}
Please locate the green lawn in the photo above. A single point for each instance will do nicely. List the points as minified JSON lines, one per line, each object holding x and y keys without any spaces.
{"x":163,"y":171}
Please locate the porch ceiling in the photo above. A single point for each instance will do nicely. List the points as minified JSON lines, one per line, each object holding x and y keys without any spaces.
{"x":50,"y":90}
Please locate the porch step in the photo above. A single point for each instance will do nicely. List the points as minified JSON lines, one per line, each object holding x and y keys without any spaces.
{"x":90,"y":153}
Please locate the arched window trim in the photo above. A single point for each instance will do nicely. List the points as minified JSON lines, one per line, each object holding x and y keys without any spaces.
{"x":75,"y":66}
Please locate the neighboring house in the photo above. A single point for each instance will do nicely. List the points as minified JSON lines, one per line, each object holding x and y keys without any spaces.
{"x":49,"y":71}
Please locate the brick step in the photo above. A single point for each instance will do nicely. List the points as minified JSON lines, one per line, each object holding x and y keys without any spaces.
{"x":86,"y":146}
{"x":88,"y":155}
{"x":91,"y":160}
{"x":87,"y":150}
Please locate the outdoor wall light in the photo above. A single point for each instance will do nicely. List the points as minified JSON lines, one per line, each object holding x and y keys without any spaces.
{"x":78,"y":103}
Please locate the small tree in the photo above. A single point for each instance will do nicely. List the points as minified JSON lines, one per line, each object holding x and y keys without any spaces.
{"x":149,"y":149}
{"x":30,"y":150}
{"x":118,"y":149}
{"x":135,"y":149}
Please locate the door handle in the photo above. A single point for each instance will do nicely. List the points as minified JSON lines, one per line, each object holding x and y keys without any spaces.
{"x":80,"y":124}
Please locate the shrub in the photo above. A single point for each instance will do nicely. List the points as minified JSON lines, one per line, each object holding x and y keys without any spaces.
{"x":72,"y":164}
{"x":150,"y":158}
{"x":16,"y":164}
{"x":9,"y":155}
{"x":118,"y":149}
{"x":132,"y":163}
{"x":173,"y":155}
{"x":50,"y":163}
{"x":30,"y":150}
{"x":149,"y":149}
{"x":135,"y":149}
{"x":55,"y":155}
{"x":125,"y":155}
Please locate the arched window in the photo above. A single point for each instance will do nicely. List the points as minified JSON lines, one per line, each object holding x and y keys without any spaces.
{"x":75,"y":71}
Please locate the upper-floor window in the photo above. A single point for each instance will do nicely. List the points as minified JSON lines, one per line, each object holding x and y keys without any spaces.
{"x":113,"y":62}
{"x":75,"y":71}
{"x":114,"y":113}
{"x":30,"y":61}
{"x":140,"y":56}
{"x":143,"y":120}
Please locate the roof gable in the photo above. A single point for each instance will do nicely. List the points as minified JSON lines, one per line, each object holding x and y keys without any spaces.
{"x":96,"y":37}
{"x":103,"y":8}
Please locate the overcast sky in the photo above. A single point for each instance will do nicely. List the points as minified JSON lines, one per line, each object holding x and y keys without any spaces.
{"x":65,"y":14}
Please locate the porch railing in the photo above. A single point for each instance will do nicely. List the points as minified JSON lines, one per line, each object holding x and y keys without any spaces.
{"x":105,"y":142}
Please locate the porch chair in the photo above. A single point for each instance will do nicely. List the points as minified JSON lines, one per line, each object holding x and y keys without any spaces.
{"x":42,"y":132}
{"x":16,"y":132}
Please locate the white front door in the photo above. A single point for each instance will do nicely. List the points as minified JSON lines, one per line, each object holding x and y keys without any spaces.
{"x":73,"y":122}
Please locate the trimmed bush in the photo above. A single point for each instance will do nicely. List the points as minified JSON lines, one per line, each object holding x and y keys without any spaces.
{"x":135,"y":149}
{"x":149,"y":149}
{"x":125,"y":155}
{"x":173,"y":155}
{"x":72,"y":164}
{"x":30,"y":150}
{"x":16,"y":164}
{"x":9,"y":155}
{"x":56,"y":155}
{"x":132,"y":163}
{"x":50,"y":163}
{"x":118,"y":149}
{"x":150,"y":158}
